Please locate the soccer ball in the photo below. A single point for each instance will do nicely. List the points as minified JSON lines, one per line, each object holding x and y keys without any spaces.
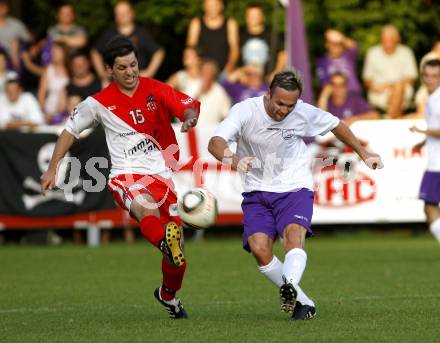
{"x":198,"y":208}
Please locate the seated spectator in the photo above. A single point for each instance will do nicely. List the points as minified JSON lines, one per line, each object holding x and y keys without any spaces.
{"x":215,"y":35}
{"x":421,"y":96}
{"x":12,"y":33}
{"x":188,"y":80}
{"x":83,"y":81}
{"x":150,"y":54}
{"x":52,"y":85}
{"x":66,"y":31}
{"x":215,"y":102}
{"x":350,"y":107}
{"x":341,"y":57}
{"x":17,"y":108}
{"x":245,"y":82}
{"x":5,"y":72}
{"x":389,"y":73}
{"x":256,"y":43}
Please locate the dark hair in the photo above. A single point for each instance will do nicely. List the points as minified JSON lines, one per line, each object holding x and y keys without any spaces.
{"x":288,"y":80}
{"x":118,"y":46}
{"x":431,"y":63}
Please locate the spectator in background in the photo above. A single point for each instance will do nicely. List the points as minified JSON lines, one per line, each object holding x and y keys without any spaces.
{"x":83,"y":80}
{"x":341,"y":57}
{"x":245,"y":82}
{"x":256,"y":44}
{"x":215,"y":35}
{"x":389,"y":73}
{"x":66,"y":31}
{"x":215,"y":102}
{"x":32,"y":61}
{"x":17,"y":108}
{"x":150,"y":54}
{"x":421,"y":96}
{"x":52,"y":84}
{"x":336,"y":99}
{"x":5,"y":72}
{"x":188,"y":80}
{"x":12,"y":33}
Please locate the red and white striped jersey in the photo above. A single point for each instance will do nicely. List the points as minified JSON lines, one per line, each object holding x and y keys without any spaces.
{"x":138,"y":130}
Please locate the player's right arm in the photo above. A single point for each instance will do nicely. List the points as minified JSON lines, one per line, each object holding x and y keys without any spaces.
{"x":64,"y":142}
{"x":81,"y":118}
{"x":229,"y":130}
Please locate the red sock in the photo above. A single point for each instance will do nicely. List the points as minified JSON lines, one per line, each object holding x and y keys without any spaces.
{"x":152,"y":229}
{"x":172,"y":279}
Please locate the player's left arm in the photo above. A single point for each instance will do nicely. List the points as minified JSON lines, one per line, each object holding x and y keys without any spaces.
{"x":345,"y":135}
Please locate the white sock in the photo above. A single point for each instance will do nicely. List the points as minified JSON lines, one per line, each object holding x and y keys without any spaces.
{"x":435,"y":229}
{"x":294,"y":265}
{"x":274,"y":272}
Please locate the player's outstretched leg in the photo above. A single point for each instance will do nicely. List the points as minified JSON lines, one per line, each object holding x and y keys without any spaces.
{"x":168,"y":239}
{"x":174,"y":306}
{"x":171,"y":245}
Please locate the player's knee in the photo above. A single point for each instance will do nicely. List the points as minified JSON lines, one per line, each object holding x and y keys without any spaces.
{"x":262,"y":252}
{"x":294,"y":236}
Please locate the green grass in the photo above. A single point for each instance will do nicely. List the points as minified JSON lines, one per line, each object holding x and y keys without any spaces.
{"x":367,"y":287}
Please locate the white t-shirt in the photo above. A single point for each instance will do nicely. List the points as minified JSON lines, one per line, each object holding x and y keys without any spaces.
{"x":215,"y":105}
{"x":282,"y":161}
{"x":26,"y":108}
{"x":381,"y":67}
{"x":432,"y":114}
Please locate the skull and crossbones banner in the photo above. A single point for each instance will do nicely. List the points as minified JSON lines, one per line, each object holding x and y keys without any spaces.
{"x":24,"y":156}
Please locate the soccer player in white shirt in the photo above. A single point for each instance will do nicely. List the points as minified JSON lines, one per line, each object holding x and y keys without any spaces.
{"x":430,"y":187}
{"x":277,"y":179}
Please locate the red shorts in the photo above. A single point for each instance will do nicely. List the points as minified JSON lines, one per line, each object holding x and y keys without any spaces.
{"x":126,"y":187}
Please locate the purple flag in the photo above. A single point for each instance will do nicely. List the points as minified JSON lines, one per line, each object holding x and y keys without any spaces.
{"x":298,"y":55}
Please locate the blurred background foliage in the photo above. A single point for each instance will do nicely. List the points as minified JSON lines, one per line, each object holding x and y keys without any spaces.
{"x":167,"y":20}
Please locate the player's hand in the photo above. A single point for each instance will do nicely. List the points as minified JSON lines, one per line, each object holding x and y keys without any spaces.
{"x":47,"y":181}
{"x":373,"y":161}
{"x":188,"y":123}
{"x":245,"y":164}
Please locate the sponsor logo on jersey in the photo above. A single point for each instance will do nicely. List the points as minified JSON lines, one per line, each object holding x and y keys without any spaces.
{"x":111,"y":108}
{"x":187,"y":101}
{"x":288,"y":134}
{"x":146,"y":146}
{"x":151,"y":103}
{"x":125,"y":134}
{"x":273,"y":129}
{"x":301,"y":217}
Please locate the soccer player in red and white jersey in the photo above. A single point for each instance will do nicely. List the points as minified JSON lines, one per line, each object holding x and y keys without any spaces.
{"x":135,"y":113}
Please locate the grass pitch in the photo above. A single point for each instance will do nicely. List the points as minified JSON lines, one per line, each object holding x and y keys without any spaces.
{"x":367,"y":287}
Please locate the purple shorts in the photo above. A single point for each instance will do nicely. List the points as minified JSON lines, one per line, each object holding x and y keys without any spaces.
{"x":430,"y":187}
{"x":270,"y":213}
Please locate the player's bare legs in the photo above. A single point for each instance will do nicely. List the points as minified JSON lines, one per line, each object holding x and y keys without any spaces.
{"x":261,"y":247}
{"x":432,"y":212}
